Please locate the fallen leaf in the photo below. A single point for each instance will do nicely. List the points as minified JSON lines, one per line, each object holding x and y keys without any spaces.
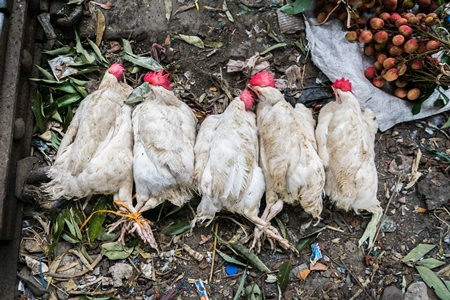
{"x":184,"y":8}
{"x":191,"y":39}
{"x":101,"y":26}
{"x":283,"y":275}
{"x":108,"y":5}
{"x":415,"y":174}
{"x":303,"y":274}
{"x":168,"y":6}
{"x":318,"y":267}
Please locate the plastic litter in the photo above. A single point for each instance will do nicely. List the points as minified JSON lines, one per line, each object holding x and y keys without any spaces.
{"x":231,"y":269}
{"x":201,"y":290}
{"x":316,"y":253}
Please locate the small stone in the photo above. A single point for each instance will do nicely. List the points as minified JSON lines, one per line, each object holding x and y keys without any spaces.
{"x":392,"y":149}
{"x":392,"y":292}
{"x":150,"y":292}
{"x":416,"y":291}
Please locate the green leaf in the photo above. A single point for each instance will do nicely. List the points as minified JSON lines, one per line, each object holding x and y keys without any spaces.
{"x":213,"y":44}
{"x":283,"y":275}
{"x":78,"y":46}
{"x":57,"y":117}
{"x":76,"y":81}
{"x":417,"y":253}
{"x":237,"y":296}
{"x":46,"y":73}
{"x":280,"y":45}
{"x":138,"y":94}
{"x":447,"y":284}
{"x":98,"y":53}
{"x":433,"y":281}
{"x":69,"y":237}
{"x":304,"y":242}
{"x":253,"y":289}
{"x":282,"y":228}
{"x":71,"y":227}
{"x":173,"y":210}
{"x":97,"y":219}
{"x":191,"y":39}
{"x":297,"y":7}
{"x":60,"y":51}
{"x":37,"y":109}
{"x":446,"y":125}
{"x":89,"y":69}
{"x":127,"y":46}
{"x":57,"y":230}
{"x":418,"y":103}
{"x":50,"y":109}
{"x":145,"y":62}
{"x":230,"y":259}
{"x":116,"y":250}
{"x":68,"y":99}
{"x":252,"y":257}
{"x":177,"y":228}
{"x":55,"y":141}
{"x":68,"y":119}
{"x":443,"y":95}
{"x":430,"y":263}
{"x":81,"y":90}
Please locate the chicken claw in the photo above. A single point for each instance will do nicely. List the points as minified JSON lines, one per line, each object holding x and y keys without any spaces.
{"x":272,"y":236}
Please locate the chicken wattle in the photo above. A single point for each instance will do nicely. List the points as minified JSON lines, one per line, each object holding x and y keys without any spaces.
{"x":164,"y":137}
{"x":345,"y":137}
{"x":95,"y":154}
{"x":292,"y":169}
{"x":226,"y":166}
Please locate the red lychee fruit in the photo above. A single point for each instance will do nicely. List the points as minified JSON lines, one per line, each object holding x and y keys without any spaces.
{"x":391,"y":75}
{"x":381,"y":37}
{"x":369,"y":50}
{"x":376,"y":23}
{"x":411,"y":46}
{"x":423,"y":3}
{"x":433,"y":45}
{"x":384,"y":16}
{"x":413,"y":20}
{"x":413,"y":94}
{"x":378,"y":66}
{"x":400,"y":93}
{"x":396,"y":51}
{"x":402,"y":70}
{"x":378,"y":82}
{"x":365,"y":36}
{"x":401,"y":83}
{"x":398,"y":40}
{"x":370,"y":72}
{"x":400,"y":22}
{"x":389,"y":63}
{"x":417,"y":64}
{"x":394,"y":17}
{"x":405,"y":30}
{"x":381,"y":57}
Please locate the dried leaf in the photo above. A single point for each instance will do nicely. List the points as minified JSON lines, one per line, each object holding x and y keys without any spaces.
{"x":227,"y":12}
{"x":108,"y":5}
{"x":303,"y":274}
{"x":201,"y":98}
{"x":213,"y":44}
{"x":283,"y":275}
{"x":415,"y":174}
{"x":191,"y":39}
{"x":318,"y":267}
{"x":184,"y":8}
{"x":417,"y":253}
{"x":434,"y":282}
{"x":430,"y":263}
{"x":101,"y":26}
{"x":168,"y":6}
{"x":177,"y":228}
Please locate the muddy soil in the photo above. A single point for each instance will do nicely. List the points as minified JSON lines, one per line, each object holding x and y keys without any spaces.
{"x":412,"y":215}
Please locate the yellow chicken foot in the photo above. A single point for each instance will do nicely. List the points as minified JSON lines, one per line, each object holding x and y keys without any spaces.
{"x":272,"y":209}
{"x":371,"y":228}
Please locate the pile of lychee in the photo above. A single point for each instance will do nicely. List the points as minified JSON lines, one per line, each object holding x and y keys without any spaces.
{"x":402,"y":42}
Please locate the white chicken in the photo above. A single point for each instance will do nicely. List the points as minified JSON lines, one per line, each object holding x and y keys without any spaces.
{"x":95,"y":156}
{"x":345,"y":137}
{"x":292,"y":168}
{"x":226,"y":165}
{"x":164,"y":137}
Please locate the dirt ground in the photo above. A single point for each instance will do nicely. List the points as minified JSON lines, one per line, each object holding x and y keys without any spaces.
{"x":413,"y":215}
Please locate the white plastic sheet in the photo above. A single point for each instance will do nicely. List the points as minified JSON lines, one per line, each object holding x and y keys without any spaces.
{"x":337,"y":58}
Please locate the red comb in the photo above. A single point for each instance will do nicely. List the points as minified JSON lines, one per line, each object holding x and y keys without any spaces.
{"x":117,"y":70}
{"x":248,"y":98}
{"x":343,"y":84}
{"x":263,"y":79}
{"x":157,"y":78}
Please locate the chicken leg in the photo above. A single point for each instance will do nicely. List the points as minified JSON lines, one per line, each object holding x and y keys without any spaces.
{"x":371,"y":228}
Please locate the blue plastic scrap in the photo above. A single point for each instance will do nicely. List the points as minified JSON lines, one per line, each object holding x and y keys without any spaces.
{"x":316,"y":253}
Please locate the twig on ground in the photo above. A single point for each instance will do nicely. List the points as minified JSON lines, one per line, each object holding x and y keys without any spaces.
{"x":216,"y":229}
